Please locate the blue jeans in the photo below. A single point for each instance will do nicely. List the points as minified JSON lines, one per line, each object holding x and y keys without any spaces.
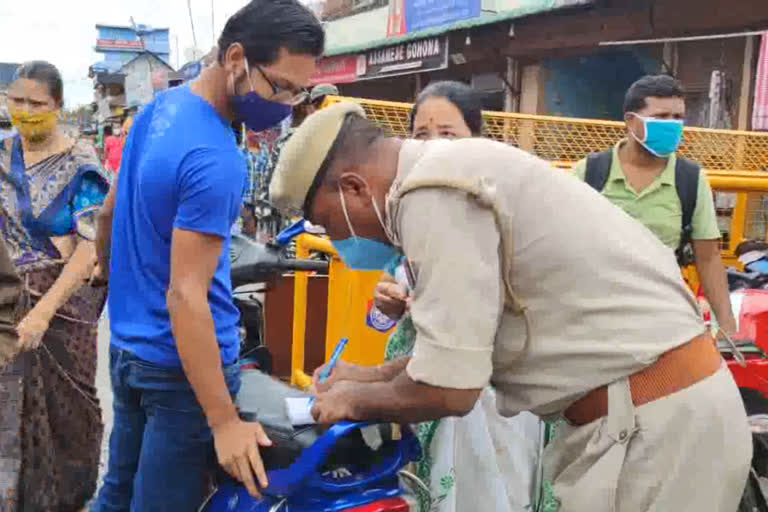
{"x":161,"y":449}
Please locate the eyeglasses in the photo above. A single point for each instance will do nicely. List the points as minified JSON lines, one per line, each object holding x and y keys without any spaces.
{"x":290,"y":95}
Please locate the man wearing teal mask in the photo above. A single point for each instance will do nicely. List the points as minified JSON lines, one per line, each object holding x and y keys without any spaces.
{"x":525,"y":279}
{"x":668,"y":194}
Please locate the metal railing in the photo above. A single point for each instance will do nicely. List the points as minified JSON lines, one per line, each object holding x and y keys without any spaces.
{"x":564,"y":140}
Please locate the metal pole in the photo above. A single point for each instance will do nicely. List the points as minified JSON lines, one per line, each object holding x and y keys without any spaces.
{"x":213,"y":25}
{"x":192,"y":24}
{"x":178,"y":55}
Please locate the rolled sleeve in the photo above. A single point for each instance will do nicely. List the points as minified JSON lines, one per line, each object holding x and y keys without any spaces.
{"x":211,"y":187}
{"x":453,"y":246}
{"x":704,"y":222}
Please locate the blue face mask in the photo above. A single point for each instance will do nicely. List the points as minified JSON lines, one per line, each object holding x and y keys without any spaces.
{"x":257,"y":112}
{"x":360,"y":253}
{"x":365,"y":253}
{"x":662,"y":136}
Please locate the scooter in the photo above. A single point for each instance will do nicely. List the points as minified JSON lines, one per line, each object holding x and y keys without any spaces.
{"x":348,"y":466}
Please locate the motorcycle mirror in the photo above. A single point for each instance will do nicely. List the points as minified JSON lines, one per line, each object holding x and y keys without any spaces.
{"x":85,"y":222}
{"x":300,"y":226}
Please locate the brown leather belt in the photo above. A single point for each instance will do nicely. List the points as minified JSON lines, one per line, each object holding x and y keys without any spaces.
{"x":673,"y":371}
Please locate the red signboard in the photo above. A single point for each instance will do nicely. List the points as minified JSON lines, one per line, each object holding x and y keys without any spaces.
{"x":119,"y":44}
{"x":335,"y":70}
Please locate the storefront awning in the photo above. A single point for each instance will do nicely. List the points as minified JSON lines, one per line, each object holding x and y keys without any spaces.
{"x":368,"y":30}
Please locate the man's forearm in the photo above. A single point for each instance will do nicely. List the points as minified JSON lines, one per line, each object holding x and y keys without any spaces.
{"x":104,"y":239}
{"x":402,"y":400}
{"x":104,"y":229}
{"x":715,"y":285}
{"x":194,"y":332}
{"x":389,"y":370}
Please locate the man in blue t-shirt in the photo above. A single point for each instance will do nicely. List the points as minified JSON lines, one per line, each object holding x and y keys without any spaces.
{"x":167,"y":226}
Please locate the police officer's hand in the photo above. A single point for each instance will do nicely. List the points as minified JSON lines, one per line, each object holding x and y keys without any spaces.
{"x":237,"y":443}
{"x":344,"y":371}
{"x":336,"y":404}
{"x":391,"y":298}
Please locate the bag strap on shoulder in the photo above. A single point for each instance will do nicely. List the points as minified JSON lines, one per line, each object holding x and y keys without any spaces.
{"x":687,"y":186}
{"x":598,"y":169}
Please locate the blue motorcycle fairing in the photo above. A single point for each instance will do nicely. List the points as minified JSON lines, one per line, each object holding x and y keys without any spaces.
{"x":304,"y":472}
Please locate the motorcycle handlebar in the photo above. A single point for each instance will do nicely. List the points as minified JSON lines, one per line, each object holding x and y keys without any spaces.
{"x":304,"y":265}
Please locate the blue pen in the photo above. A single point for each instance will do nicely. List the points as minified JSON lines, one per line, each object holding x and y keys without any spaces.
{"x":328,"y":368}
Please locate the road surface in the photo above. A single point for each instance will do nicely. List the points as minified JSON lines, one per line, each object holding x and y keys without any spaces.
{"x":103,"y":388}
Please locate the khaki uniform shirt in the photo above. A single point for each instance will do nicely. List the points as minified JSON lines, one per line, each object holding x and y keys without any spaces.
{"x":527,"y":278}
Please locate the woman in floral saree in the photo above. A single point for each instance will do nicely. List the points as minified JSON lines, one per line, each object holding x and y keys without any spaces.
{"x":51,"y":419}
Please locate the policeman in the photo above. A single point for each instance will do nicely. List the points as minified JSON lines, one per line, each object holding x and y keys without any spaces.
{"x":529,"y":280}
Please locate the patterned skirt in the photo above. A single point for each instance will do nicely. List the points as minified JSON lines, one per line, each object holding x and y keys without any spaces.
{"x":50,"y":418}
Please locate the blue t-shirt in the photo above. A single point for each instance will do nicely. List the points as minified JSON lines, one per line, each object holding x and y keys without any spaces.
{"x":181,"y":168}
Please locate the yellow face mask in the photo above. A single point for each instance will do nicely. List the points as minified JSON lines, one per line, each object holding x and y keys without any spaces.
{"x":35,"y":126}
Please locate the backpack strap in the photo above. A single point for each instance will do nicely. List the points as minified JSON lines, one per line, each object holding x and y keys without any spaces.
{"x":687,"y":175}
{"x":598,"y":169}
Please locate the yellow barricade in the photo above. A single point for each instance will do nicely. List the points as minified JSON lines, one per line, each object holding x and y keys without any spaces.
{"x":349,"y":292}
{"x":565,"y":140}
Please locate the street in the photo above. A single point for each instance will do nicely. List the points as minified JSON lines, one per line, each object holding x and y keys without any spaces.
{"x":103,"y":387}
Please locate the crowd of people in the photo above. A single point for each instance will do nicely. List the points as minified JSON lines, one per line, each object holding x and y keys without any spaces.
{"x":520,"y":293}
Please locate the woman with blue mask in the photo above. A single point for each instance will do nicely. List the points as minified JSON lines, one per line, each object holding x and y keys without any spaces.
{"x":482,"y":459}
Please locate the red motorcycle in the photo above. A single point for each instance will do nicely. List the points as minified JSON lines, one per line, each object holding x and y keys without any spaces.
{"x":749,"y":299}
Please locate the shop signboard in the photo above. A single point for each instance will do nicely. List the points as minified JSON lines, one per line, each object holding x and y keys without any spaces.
{"x":417,"y":56}
{"x":335,"y":70}
{"x":407,"y":16}
{"x":119,"y":44}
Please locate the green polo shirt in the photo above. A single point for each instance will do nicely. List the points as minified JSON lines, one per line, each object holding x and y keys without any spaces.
{"x":658,"y":206}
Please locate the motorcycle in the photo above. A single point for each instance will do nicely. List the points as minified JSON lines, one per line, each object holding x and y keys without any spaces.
{"x":253,"y":266}
{"x":749,"y":299}
{"x":348,"y":466}
{"x":748,"y":362}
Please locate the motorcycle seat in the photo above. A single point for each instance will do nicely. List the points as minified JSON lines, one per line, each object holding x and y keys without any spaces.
{"x":262,"y":398}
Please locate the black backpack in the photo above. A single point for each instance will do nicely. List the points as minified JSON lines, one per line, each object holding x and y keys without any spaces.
{"x":686,"y":184}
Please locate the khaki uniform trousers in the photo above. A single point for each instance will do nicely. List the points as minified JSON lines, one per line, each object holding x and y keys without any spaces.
{"x":686,"y":452}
